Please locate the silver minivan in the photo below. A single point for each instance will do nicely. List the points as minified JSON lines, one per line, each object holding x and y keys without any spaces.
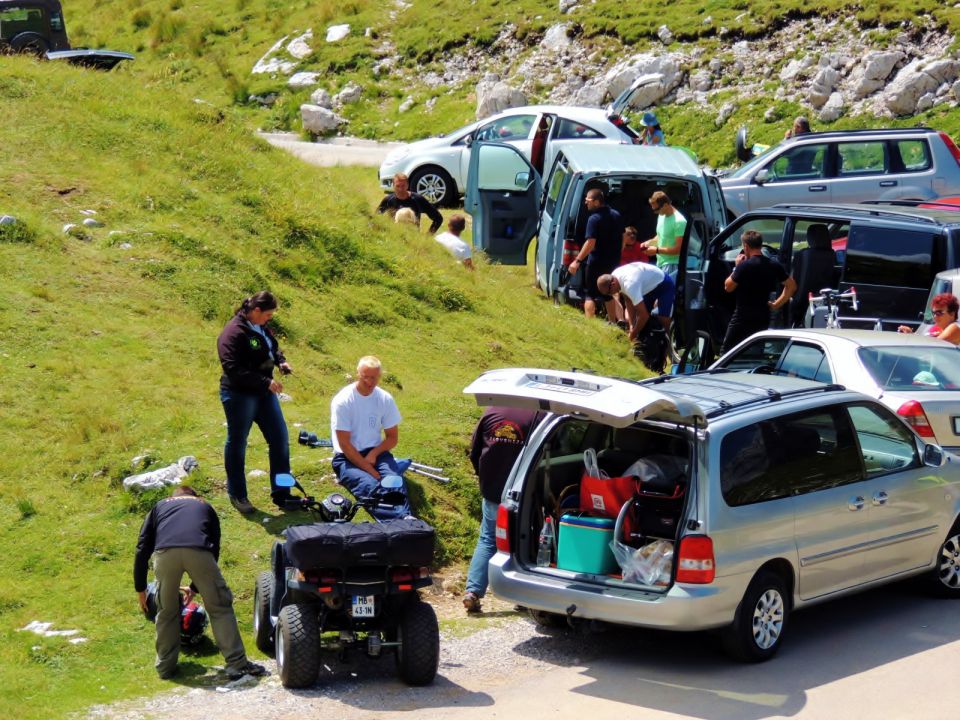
{"x":754,"y":495}
{"x":511,"y":206}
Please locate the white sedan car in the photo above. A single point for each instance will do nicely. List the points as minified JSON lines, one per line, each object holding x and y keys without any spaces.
{"x":437,"y":167}
{"x":916,"y":377}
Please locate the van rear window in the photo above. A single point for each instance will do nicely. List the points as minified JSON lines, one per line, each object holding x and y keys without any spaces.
{"x":889,"y":256}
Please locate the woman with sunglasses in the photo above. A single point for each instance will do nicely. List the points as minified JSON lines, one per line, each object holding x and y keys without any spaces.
{"x":944,"y":308}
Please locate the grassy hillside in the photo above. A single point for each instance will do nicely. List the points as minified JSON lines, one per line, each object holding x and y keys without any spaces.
{"x":108,"y":349}
{"x":210,"y":47}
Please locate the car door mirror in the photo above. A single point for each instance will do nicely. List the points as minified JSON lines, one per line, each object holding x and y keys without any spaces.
{"x":522,"y":179}
{"x":932,"y":456}
{"x":468,"y":140}
{"x":762,"y":176}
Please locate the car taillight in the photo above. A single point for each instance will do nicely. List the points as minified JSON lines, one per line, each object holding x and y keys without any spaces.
{"x":912,"y":412}
{"x":951,"y":146}
{"x":503,"y":529}
{"x":695,"y":562}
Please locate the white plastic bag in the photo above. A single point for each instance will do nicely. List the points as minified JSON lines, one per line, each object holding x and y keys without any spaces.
{"x":591,"y":465}
{"x":155,"y":479}
{"x":651,"y":564}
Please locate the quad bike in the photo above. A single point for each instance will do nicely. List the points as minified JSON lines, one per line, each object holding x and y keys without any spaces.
{"x":341,"y":586}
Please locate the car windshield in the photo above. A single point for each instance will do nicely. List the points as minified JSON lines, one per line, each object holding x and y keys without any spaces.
{"x":916,"y":369}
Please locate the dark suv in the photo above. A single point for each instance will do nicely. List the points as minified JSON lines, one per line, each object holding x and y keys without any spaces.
{"x":34,"y":26}
{"x":38,"y":27}
{"x":890,"y":252}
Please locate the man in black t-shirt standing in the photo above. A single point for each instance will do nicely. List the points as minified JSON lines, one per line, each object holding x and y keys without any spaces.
{"x":601,"y":250}
{"x":497,"y":441}
{"x":754,"y":278}
{"x":401,"y":197}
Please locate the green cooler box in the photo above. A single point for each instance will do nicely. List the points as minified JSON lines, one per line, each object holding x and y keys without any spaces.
{"x":584,"y":544}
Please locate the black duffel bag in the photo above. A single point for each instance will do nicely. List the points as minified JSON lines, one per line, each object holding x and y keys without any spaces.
{"x":394,"y":542}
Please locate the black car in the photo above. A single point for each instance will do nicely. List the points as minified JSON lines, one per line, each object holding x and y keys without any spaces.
{"x":37,"y":27}
{"x":889,"y":252}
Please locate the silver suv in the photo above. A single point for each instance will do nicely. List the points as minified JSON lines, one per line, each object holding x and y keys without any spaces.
{"x":754,"y":496}
{"x":848,"y":166}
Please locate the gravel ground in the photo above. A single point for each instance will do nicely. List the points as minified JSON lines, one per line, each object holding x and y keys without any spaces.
{"x":476,"y":654}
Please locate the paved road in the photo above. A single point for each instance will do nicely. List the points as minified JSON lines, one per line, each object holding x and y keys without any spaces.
{"x":885,"y":655}
{"x":336,"y":151}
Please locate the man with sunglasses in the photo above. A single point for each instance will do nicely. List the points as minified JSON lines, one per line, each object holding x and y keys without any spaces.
{"x":600,"y":250}
{"x":671,"y":226}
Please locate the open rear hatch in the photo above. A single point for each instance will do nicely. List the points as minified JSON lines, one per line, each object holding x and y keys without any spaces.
{"x":599,"y":476}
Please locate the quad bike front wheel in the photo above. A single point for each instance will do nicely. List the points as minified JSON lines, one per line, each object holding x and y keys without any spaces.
{"x":419,"y":653}
{"x":298,"y":646}
{"x":263,"y":621}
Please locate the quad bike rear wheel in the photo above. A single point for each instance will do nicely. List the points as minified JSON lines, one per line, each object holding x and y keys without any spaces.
{"x":419,"y":653}
{"x":298,"y":646}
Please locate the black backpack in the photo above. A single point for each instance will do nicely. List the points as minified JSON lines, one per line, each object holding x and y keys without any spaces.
{"x":650,"y":347}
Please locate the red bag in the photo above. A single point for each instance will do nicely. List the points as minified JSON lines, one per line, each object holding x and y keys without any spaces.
{"x":605,"y":496}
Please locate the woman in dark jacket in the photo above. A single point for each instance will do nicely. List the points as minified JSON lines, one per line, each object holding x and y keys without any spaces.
{"x":248,"y":353}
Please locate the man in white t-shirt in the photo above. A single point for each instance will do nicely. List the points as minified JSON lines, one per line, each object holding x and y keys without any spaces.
{"x":364,"y":427}
{"x":452,"y":242}
{"x":641,"y":286}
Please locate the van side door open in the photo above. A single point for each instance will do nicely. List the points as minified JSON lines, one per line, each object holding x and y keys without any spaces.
{"x":503,"y":196}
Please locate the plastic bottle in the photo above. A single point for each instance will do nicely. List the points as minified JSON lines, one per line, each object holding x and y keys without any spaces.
{"x":545,"y":544}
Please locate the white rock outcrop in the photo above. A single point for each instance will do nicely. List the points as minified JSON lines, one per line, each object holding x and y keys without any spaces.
{"x":319,"y":120}
{"x":496,"y":96}
{"x":335,"y":33}
{"x":302,"y":80}
{"x":299,"y":47}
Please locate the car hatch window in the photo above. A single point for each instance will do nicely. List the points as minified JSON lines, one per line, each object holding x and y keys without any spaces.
{"x":804,"y":162}
{"x":915,"y":369}
{"x":889,"y":256}
{"x":861,"y":158}
{"x":791,"y":455}
{"x":805,"y":361}
{"x":571,"y":130}
{"x":886,"y":444}
{"x":914,"y":155}
{"x":760,"y":354}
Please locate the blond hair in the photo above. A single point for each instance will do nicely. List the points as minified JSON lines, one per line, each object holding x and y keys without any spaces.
{"x":368,"y":361}
{"x":406,"y":215}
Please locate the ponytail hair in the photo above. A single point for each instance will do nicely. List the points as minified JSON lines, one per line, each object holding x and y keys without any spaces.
{"x":262,"y":300}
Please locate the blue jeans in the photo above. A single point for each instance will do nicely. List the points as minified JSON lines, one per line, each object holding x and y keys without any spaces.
{"x":242,"y":410}
{"x":363,"y":485}
{"x":486,"y":549}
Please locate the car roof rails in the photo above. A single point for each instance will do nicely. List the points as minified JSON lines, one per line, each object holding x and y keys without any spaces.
{"x":864,"y":131}
{"x":870,"y":208}
{"x":729,"y":381}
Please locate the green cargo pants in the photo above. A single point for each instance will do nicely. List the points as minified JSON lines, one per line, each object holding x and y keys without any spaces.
{"x":169,"y":565}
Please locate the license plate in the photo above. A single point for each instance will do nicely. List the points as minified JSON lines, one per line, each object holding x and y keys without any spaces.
{"x":363,"y":606}
{"x":956,"y":425}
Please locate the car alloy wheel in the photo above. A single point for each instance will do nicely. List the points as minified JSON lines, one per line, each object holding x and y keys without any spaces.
{"x":768,"y":619}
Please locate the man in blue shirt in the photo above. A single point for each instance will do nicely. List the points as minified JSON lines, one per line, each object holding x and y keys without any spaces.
{"x":601,"y":250}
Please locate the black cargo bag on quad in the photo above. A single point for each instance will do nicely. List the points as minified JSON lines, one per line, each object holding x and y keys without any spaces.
{"x":394,"y":542}
{"x":650,"y":347}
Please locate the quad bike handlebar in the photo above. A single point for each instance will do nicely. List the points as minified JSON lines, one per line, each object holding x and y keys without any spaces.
{"x":337,"y":507}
